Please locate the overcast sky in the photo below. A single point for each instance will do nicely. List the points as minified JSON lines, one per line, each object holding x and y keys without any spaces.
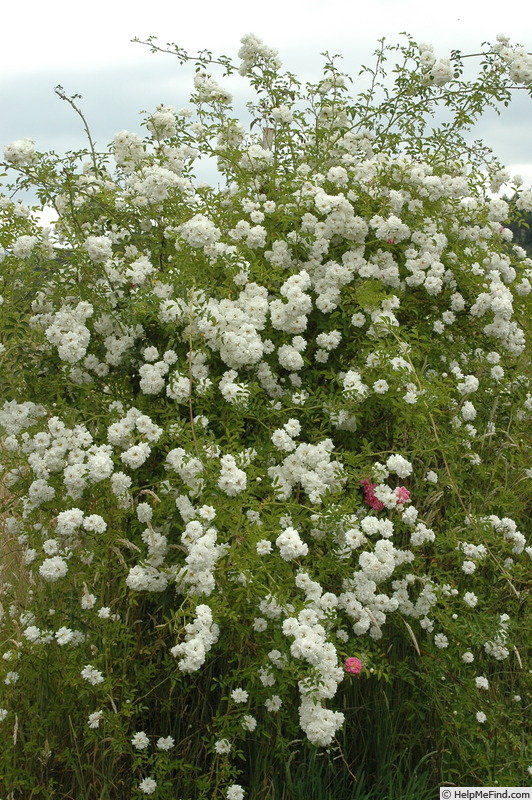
{"x":87,"y":49}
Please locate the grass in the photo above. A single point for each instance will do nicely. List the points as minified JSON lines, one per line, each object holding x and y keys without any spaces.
{"x":13,"y":571}
{"x":323,"y":776}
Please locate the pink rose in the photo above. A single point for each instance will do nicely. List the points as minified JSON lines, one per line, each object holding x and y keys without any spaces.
{"x":353,"y":665}
{"x":402,"y":494}
{"x":369,"y":495}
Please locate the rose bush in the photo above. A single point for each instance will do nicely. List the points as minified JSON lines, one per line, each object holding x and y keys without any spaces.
{"x":265,"y":445}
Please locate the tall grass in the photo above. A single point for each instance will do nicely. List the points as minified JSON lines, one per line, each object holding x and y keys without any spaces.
{"x":13,"y":571}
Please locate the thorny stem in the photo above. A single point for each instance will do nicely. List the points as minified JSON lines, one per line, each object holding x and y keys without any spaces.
{"x":348,"y":768}
{"x":460,"y":56}
{"x":203,"y":56}
{"x":60,"y":92}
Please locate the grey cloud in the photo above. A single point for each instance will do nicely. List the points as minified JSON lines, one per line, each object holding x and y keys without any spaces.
{"x":111,"y":100}
{"x":508,"y":135}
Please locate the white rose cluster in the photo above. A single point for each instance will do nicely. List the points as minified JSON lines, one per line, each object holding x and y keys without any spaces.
{"x":399,"y":465}
{"x":69,"y":333}
{"x":52,"y":569}
{"x":353,"y":385}
{"x":499,"y":301}
{"x":319,"y":723}
{"x":147,"y":579}
{"x":128,"y":149}
{"x":234,"y":392}
{"x":162,"y":124}
{"x":122,"y":433}
{"x":291,"y":316}
{"x":435,"y":72}
{"x":99,"y":248}
{"x":24,"y":246}
{"x":152,"y":185}
{"x":440,"y":73}
{"x":187,"y":467}
{"x":16,"y":417}
{"x":209,"y":90}
{"x":517,"y":58}
{"x":508,"y":528}
{"x":201,"y":635}
{"x":253,"y":51}
{"x":232,"y":480}
{"x":20,"y":152}
{"x":203,"y":551}
{"x":311,"y":466}
{"x":199,"y":231}
{"x":152,"y":377}
{"x":232,"y":327}
{"x":291,"y":545}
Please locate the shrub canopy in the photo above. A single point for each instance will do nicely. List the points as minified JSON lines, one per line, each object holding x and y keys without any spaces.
{"x":265,"y":443}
